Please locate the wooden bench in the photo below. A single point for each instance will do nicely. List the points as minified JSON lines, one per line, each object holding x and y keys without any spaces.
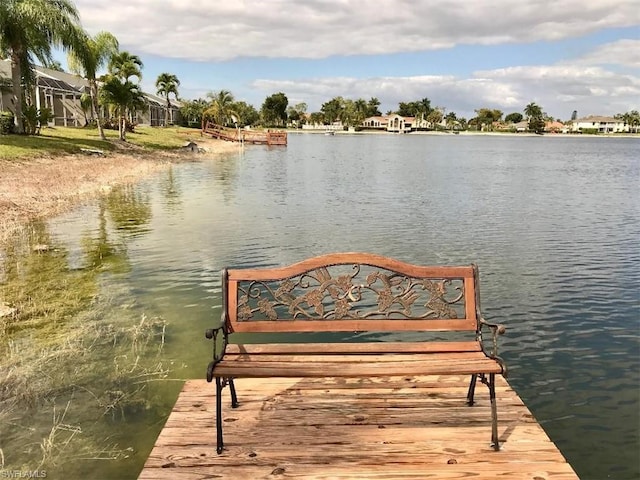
{"x":354,"y":292}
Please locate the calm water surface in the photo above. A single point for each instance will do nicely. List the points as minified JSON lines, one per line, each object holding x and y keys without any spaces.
{"x":554,"y":224}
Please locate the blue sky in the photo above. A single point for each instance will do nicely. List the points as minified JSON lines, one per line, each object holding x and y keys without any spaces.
{"x":564,"y":54}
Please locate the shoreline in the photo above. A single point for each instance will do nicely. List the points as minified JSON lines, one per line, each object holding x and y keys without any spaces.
{"x":47,"y":185}
{"x":470,"y":133}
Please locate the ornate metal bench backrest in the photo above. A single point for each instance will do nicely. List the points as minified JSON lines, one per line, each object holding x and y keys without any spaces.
{"x":350,"y":292}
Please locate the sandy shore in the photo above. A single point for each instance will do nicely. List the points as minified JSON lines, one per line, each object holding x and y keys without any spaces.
{"x":47,"y":186}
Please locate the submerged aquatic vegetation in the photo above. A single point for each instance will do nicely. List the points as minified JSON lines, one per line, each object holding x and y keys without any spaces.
{"x":99,"y":368}
{"x":75,"y":357}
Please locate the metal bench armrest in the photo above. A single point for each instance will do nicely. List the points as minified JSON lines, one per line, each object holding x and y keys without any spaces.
{"x":213,"y":334}
{"x":496,"y":330}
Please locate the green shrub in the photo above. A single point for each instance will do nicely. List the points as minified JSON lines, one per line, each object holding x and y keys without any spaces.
{"x":6,"y":122}
{"x":112,"y":124}
{"x":589,"y":131}
{"x":34,"y":119}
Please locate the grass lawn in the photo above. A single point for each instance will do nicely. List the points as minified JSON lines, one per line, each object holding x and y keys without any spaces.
{"x":66,"y":140}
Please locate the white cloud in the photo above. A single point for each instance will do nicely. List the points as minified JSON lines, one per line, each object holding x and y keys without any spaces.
{"x":206,"y":30}
{"x":624,"y":52}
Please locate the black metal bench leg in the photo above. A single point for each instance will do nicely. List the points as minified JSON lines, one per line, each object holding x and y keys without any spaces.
{"x":472,"y":389}
{"x":219,"y":441}
{"x":494,"y":412}
{"x":234,"y":397}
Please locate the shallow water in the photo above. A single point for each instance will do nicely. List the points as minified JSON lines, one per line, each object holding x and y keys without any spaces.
{"x":554,"y":224}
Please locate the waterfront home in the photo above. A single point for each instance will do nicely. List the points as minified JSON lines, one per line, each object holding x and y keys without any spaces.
{"x":395,"y":123}
{"x":376,"y":122}
{"x":58,"y":91}
{"x":61,"y":93}
{"x":399,"y":124}
{"x":154,"y":115}
{"x":521,"y":126}
{"x":555,"y":127}
{"x":599,"y":124}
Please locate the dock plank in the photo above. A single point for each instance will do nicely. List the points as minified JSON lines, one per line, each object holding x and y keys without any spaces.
{"x":342,"y":428}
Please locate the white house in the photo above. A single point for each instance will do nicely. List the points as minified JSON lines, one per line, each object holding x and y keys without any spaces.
{"x":601,"y":124}
{"x":396,"y":123}
{"x":377,"y":122}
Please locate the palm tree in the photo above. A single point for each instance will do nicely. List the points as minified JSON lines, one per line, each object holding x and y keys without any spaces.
{"x":87,"y":106}
{"x":533,"y":111}
{"x":28,"y":29}
{"x":316,"y":118}
{"x":632,"y":119}
{"x":93,"y":56}
{"x":123,"y":96}
{"x":535,"y":116}
{"x":167,"y":84}
{"x":451,"y":119}
{"x":361,"y":111}
{"x":372,"y":107}
{"x":221,"y":108}
{"x":434,"y":117}
{"x":125,"y":65}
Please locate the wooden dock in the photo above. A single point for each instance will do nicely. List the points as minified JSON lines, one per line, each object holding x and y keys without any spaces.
{"x":378,"y":428}
{"x":267,"y":137}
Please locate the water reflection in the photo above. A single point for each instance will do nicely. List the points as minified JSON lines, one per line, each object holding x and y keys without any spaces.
{"x":171,"y":189}
{"x":225,"y":174}
{"x":101,"y":252}
{"x":129,"y":208}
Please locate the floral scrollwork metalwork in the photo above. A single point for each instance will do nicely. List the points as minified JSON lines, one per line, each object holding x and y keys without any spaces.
{"x":351,"y":292}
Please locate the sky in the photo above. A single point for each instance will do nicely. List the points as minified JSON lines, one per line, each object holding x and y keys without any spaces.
{"x":463,"y":55}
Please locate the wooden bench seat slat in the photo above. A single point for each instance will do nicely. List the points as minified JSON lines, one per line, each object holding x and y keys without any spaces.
{"x":365,"y":347}
{"x":353,"y":357}
{"x":357,"y":369}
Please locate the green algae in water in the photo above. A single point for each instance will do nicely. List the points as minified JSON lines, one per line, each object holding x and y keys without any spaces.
{"x":81,"y":362}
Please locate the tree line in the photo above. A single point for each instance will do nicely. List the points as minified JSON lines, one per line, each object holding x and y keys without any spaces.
{"x":223,"y":109}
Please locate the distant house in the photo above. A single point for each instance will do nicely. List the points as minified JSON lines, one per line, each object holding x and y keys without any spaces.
{"x":555,"y":127}
{"x":399,"y":124}
{"x":600,"y":124}
{"x":61,"y":92}
{"x":309,"y":125}
{"x":522,"y":126}
{"x":154,"y":115}
{"x":376,"y":122}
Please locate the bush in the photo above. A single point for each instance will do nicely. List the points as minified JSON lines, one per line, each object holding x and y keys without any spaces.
{"x":34,"y":119}
{"x":112,"y":124}
{"x":6,"y":122}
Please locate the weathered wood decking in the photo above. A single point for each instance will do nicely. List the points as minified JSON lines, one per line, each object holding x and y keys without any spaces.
{"x":255,"y":137}
{"x":377,"y":428}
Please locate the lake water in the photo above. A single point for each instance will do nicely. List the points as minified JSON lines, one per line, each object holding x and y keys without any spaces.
{"x":554,"y":224}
